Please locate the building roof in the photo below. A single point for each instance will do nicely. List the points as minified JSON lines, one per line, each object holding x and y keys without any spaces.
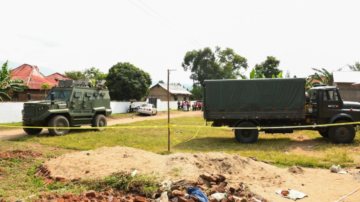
{"x":174,"y":89}
{"x":32,"y":76}
{"x":57,"y":76}
{"x":346,"y":76}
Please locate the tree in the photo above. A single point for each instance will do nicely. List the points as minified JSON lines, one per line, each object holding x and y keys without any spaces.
{"x":125,"y":81}
{"x":76,"y":75}
{"x":355,"y":67}
{"x":323,"y":75}
{"x":8,"y":85}
{"x":256,"y":74}
{"x":161,"y":81}
{"x":220,"y":64}
{"x":196,"y":92}
{"x":269,"y":67}
{"x":93,"y":73}
{"x":45,"y":87}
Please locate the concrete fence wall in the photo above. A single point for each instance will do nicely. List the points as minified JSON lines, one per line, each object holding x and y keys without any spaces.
{"x":11,"y":111}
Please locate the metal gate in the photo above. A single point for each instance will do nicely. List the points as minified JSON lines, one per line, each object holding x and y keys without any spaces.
{"x":153,"y":101}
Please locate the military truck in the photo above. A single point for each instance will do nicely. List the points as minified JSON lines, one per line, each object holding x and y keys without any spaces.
{"x":280,"y":104}
{"x":71,"y":104}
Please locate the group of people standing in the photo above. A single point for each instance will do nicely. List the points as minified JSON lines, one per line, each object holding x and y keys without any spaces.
{"x":186,"y":105}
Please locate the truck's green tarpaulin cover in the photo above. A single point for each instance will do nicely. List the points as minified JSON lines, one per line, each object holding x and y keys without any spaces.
{"x":254,"y":94}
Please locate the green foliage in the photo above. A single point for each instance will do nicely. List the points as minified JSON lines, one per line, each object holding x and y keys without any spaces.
{"x":269,"y":67}
{"x":327,"y":76}
{"x":220,"y":64}
{"x":125,"y":81}
{"x":161,"y":81}
{"x":76,"y":75}
{"x":196,"y":92}
{"x":355,"y":67}
{"x":309,"y":83}
{"x":256,"y":74}
{"x":45,"y":87}
{"x":91,"y":73}
{"x":8,"y":85}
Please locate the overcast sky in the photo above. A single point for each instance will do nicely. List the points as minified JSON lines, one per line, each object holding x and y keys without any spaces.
{"x":155,"y":35}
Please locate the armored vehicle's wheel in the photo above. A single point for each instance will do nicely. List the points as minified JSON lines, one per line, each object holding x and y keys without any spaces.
{"x":58,"y":121}
{"x":324,"y":132}
{"x":99,"y":121}
{"x":31,"y":131}
{"x":246,"y":135}
{"x":342,"y":133}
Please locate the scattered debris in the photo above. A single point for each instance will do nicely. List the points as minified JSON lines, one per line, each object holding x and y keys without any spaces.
{"x":197,"y":192}
{"x":291,"y":194}
{"x":296,"y":170}
{"x":268,"y":162}
{"x":337,"y":169}
{"x":20,"y":154}
{"x":358,"y":166}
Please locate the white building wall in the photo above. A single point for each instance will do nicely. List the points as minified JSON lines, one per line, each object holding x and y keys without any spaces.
{"x":11,"y":111}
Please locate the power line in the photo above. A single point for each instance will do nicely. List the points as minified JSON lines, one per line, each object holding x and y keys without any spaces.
{"x":166,"y":20}
{"x":163,"y":23}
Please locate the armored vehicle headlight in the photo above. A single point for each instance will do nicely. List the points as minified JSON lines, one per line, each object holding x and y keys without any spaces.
{"x":41,"y":108}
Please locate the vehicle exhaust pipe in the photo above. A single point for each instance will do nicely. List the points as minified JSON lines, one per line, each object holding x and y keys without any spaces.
{"x":52,"y":98}
{"x":29,"y":96}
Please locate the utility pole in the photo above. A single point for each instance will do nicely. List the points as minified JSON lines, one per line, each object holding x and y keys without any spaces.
{"x":168,"y":98}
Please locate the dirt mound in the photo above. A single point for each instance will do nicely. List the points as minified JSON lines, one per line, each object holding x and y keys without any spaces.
{"x":19,"y":153}
{"x":296,"y":170}
{"x":263,"y":178}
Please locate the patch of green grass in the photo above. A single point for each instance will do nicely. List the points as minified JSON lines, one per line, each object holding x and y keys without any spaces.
{"x":185,"y":138}
{"x":5,"y":126}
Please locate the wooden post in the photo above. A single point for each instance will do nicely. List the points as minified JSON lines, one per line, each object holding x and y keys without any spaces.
{"x":168,"y":96}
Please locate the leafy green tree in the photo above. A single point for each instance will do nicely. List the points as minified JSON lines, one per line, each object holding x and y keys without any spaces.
{"x":161,"y":81}
{"x":256,"y":74}
{"x":220,"y":64}
{"x":269,"y":67}
{"x":196,"y":92}
{"x":355,"y":67}
{"x":94,"y":73}
{"x":323,"y":75}
{"x":8,"y":85}
{"x":45,"y":87}
{"x":125,"y":81}
{"x":76,"y":75}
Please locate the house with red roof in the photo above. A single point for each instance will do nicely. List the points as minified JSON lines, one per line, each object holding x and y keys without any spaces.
{"x":34,"y":79}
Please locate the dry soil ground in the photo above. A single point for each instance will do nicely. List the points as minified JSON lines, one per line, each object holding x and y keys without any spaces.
{"x":263,"y":179}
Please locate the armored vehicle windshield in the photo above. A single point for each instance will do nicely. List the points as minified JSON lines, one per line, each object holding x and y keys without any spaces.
{"x":59,"y":94}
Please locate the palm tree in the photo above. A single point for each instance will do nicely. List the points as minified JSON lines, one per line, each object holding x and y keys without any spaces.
{"x":355,"y":67}
{"x":323,"y":73}
{"x":7,"y":86}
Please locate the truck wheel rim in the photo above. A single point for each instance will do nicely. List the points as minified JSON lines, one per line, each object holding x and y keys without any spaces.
{"x":246,"y":133}
{"x":342,"y":132}
{"x":101,"y":123}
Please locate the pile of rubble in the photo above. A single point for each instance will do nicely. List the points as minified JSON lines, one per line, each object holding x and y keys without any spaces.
{"x":214,"y":186}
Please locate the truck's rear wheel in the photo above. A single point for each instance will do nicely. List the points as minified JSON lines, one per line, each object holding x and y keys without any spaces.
{"x":342,"y":133}
{"x":246,"y":135}
{"x":58,"y":121}
{"x":31,"y":131}
{"x":99,"y":121}
{"x":324,"y":132}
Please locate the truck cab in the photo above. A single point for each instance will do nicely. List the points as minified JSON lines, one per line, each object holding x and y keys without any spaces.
{"x":329,"y":108}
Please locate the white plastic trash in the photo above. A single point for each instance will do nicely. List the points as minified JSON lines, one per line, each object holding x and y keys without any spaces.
{"x":133,"y":173}
{"x":166,"y":184}
{"x":218,"y":196}
{"x":163,"y":197}
{"x":292,"y":194}
{"x":337,"y":169}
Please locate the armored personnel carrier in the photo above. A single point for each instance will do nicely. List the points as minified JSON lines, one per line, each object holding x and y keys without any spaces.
{"x":71,"y":104}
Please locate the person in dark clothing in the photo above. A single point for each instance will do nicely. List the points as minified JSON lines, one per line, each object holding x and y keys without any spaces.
{"x":178,"y":104}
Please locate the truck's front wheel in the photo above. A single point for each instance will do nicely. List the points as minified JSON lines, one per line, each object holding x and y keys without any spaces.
{"x":246,"y":135}
{"x":58,"y":121}
{"x":99,"y":121}
{"x":342,"y":133}
{"x":31,"y":131}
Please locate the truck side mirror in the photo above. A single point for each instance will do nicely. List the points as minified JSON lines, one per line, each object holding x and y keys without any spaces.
{"x":29,"y":96}
{"x":52,"y":98}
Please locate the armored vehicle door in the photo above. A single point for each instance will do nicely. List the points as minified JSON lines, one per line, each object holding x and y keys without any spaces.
{"x":77,"y":101}
{"x":331,"y":103}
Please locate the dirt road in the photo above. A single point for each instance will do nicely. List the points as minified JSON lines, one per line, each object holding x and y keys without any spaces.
{"x":9,"y":134}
